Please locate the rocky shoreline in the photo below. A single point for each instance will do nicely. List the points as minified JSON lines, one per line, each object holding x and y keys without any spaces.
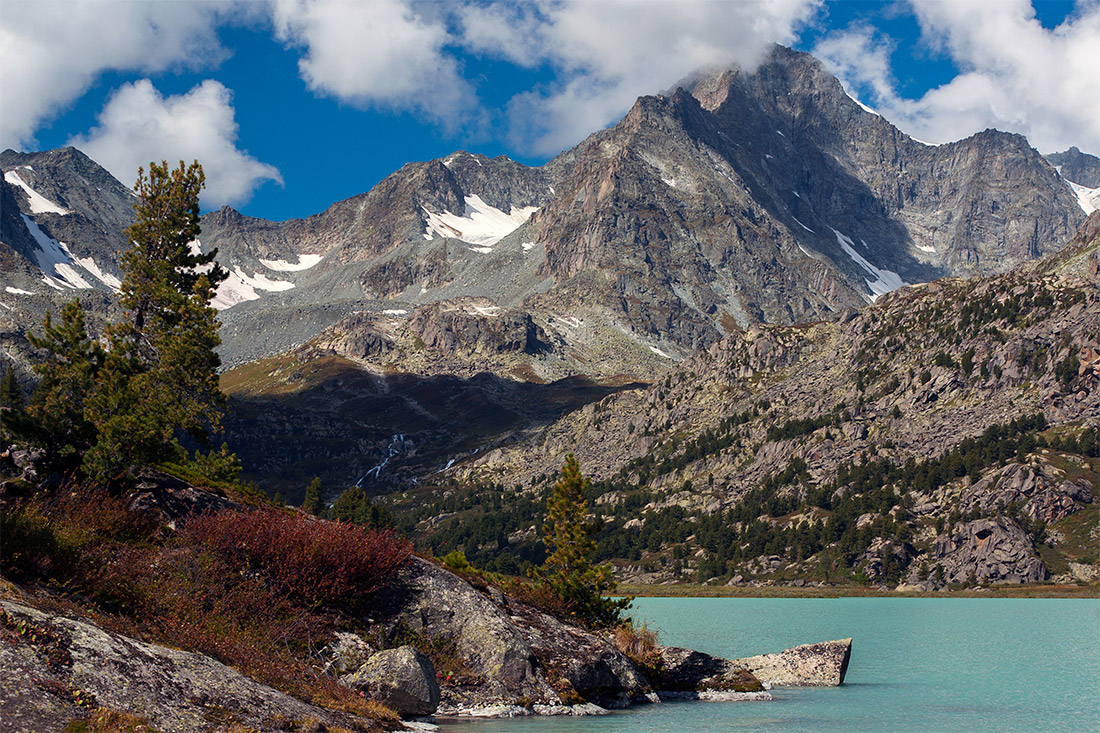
{"x":494,"y":657}
{"x":504,"y":658}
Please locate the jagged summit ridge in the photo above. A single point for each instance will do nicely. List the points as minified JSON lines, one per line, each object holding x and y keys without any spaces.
{"x":741,"y":197}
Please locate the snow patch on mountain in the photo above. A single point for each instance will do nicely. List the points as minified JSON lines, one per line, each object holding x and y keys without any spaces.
{"x":304,"y":263}
{"x":239,"y":287}
{"x":1087,"y":198}
{"x":480,"y":224}
{"x":104,"y":277}
{"x":39,"y":203}
{"x":17,"y":291}
{"x":55,"y":260}
{"x":811,"y":231}
{"x":885,"y":280}
{"x":862,"y":106}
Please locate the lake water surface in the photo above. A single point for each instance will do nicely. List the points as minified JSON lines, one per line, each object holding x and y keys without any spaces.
{"x":918,"y":664}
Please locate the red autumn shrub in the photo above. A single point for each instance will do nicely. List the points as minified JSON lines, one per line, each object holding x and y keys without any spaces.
{"x":317,"y":563}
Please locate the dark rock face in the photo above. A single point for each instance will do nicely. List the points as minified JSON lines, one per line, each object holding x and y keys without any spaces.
{"x":686,"y":670}
{"x":989,"y":551}
{"x":823,"y":664}
{"x":170,"y":500}
{"x":403,"y":679}
{"x":1081,"y":168}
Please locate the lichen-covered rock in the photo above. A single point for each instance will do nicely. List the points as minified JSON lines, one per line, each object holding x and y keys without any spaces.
{"x":427,"y":600}
{"x":688,"y":674}
{"x":173,"y":690}
{"x":989,"y":551}
{"x":581,"y":663}
{"x":402,"y":679}
{"x":823,"y":664}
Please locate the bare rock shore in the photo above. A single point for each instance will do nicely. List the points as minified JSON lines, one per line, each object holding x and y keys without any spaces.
{"x":499,"y":658}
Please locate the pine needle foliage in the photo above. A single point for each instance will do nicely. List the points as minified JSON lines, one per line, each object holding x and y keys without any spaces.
{"x":568,"y":571}
{"x":118,"y":403}
{"x":55,"y":417}
{"x":160,"y":377}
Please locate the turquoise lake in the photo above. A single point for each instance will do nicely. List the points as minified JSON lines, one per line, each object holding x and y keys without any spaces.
{"x":918,"y":664}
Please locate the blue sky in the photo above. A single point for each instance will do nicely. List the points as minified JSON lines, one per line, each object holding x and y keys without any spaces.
{"x":292,"y":105}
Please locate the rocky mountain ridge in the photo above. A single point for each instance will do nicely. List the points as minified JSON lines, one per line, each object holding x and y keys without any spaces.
{"x":940,"y":416}
{"x":738,"y":198}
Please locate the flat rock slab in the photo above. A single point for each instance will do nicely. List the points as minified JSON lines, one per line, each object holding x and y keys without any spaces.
{"x":823,"y":664}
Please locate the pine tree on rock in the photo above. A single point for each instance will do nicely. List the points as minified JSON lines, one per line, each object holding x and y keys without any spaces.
{"x":160,"y":375}
{"x":568,"y":571}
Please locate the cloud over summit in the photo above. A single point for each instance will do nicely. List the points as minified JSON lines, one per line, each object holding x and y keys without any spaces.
{"x":1015,"y":75}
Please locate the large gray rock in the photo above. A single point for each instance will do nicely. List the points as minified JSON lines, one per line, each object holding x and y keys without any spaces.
{"x":427,"y":600}
{"x":823,"y":664}
{"x":989,"y":551}
{"x":580,"y":662}
{"x":513,"y":654}
{"x":686,"y":673}
{"x":172,"y":689}
{"x":402,"y":679}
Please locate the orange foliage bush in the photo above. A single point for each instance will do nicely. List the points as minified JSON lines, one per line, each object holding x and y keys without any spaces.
{"x":316,"y":563}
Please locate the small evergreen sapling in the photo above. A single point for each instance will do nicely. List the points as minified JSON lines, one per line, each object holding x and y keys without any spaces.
{"x":568,"y":571}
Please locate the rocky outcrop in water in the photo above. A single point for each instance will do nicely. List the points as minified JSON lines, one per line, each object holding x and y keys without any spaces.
{"x":822,"y":664}
{"x":514,"y":659}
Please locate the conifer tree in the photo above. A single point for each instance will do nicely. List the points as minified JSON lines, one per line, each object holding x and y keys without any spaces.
{"x":160,"y":376}
{"x":312,"y":501}
{"x":568,"y":570}
{"x":55,"y":417}
{"x":11,"y":395}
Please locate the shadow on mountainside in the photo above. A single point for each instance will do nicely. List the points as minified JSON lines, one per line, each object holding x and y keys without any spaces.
{"x":341,"y":422}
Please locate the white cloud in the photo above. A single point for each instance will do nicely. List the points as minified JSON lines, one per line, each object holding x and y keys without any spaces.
{"x":138,"y":125}
{"x":382,"y":53}
{"x":405,"y":55}
{"x":1015,"y":75}
{"x":51,"y":51}
{"x":608,"y":52}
